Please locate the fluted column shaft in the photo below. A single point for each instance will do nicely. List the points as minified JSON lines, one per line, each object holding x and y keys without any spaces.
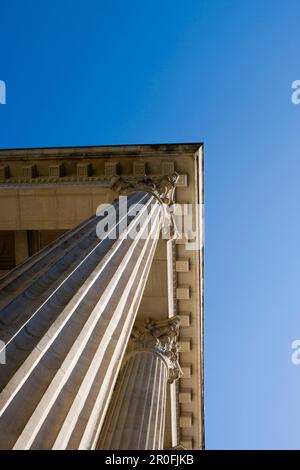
{"x":136,"y":415}
{"x":66,"y":315}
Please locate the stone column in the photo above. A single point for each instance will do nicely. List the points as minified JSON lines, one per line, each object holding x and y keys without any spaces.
{"x":136,"y":416}
{"x":66,"y":315}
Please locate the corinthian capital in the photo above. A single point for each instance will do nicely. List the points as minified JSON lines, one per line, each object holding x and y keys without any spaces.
{"x":162,"y":187}
{"x":160,"y":338}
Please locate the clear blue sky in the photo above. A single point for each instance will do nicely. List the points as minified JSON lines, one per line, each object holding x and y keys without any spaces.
{"x":217,"y":71}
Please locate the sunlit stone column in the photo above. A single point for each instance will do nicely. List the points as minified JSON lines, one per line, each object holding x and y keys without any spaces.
{"x":136,"y":415}
{"x":66,"y":315}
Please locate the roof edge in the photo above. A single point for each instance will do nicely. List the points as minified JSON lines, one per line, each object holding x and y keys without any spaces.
{"x":186,"y":147}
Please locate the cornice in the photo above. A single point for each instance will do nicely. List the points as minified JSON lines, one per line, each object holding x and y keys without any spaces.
{"x":41,"y":182}
{"x":119,"y":151}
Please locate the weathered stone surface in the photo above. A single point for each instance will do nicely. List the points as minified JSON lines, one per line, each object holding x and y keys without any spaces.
{"x":66,"y":316}
{"x":44,"y":204}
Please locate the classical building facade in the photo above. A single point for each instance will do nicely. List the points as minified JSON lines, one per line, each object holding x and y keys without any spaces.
{"x":101,"y":297}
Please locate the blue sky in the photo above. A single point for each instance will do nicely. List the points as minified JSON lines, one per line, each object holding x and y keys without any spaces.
{"x":217,"y":71}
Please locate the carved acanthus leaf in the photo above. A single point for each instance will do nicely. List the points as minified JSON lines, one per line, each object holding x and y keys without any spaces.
{"x":162,"y":187}
{"x":160,"y":338}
